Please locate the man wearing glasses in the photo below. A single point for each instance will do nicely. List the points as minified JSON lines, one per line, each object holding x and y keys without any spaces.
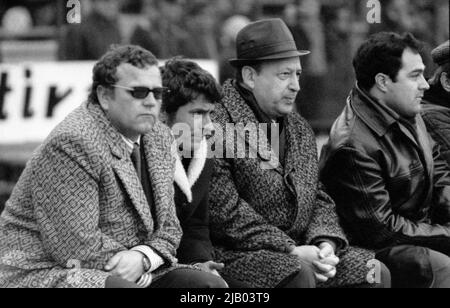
{"x":94,"y":207}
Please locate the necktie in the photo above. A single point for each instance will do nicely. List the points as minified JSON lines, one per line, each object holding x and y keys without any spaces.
{"x":143,"y":175}
{"x":136,"y":159}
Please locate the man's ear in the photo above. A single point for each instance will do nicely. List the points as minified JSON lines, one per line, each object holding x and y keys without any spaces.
{"x":445,"y":81}
{"x":381,"y":82}
{"x":104,"y":97}
{"x":249,"y":76}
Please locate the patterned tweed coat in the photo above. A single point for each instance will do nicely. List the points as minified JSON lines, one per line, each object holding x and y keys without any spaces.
{"x":257,"y":213}
{"x":79,"y":202}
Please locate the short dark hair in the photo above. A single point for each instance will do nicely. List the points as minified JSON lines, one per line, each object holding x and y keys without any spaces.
{"x":382,"y":53}
{"x":186,"y":80}
{"x":105,"y":70}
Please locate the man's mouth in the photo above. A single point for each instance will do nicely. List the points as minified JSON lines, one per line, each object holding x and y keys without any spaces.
{"x":290,"y":99}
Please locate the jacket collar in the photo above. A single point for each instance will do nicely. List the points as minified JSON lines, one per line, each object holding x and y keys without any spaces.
{"x":113,"y":138}
{"x":186,"y":180}
{"x":241,"y":113}
{"x":380,"y":118}
{"x":237,"y":106}
{"x":372,"y":112}
{"x":250,"y":99}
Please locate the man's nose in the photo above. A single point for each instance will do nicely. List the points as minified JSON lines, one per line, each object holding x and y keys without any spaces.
{"x":424,"y":84}
{"x":295,"y":84}
{"x":150,"y":100}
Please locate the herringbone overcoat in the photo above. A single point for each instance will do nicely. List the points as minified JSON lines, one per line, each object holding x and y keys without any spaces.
{"x":80,"y":201}
{"x":257,"y":211}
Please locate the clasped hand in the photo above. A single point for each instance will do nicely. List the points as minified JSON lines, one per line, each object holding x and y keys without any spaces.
{"x":322,"y":259}
{"x":126,"y":265}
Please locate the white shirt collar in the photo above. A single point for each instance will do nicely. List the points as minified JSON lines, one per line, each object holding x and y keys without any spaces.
{"x":129,"y":143}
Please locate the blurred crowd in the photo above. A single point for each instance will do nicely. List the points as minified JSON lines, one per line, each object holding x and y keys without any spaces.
{"x":206,"y":29}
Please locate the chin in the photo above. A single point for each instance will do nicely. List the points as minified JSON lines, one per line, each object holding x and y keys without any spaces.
{"x":412,"y":114}
{"x":146,"y":129}
{"x":286,"y":111}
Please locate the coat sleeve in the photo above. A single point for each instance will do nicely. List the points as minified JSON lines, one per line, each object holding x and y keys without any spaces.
{"x":66,"y":197}
{"x":166,"y":240}
{"x":166,"y":237}
{"x":234,"y":222}
{"x":325,"y":224}
{"x":441,"y":184}
{"x":195,"y":246}
{"x":356,"y":183}
{"x":438,"y":126}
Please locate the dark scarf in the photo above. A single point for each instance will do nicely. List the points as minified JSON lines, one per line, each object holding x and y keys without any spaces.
{"x":437,"y":96}
{"x":262,"y":117}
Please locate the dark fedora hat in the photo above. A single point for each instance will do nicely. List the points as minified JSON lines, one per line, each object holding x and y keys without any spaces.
{"x":441,"y":54}
{"x":268,"y":39}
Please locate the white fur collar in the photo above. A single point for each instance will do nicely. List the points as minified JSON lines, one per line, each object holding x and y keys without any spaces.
{"x":186,"y":181}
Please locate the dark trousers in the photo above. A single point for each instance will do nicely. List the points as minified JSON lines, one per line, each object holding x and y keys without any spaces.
{"x":416,"y":267}
{"x":189,"y":279}
{"x":440,"y":265}
{"x":303,"y":279}
{"x":179,"y":279}
{"x":235,"y":284}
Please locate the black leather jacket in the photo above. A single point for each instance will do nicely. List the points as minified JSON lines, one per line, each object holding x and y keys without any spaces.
{"x":389,"y":181}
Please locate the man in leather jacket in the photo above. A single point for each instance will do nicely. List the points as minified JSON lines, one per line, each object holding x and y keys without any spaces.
{"x":384,"y":171}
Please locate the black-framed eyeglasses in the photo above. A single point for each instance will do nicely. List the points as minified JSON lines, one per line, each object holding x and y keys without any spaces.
{"x":143,"y":92}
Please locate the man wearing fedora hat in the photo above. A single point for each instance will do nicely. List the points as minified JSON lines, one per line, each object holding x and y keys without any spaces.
{"x":436,"y":109}
{"x":271,"y":222}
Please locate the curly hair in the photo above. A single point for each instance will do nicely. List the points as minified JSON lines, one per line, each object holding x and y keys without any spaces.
{"x":382,"y":53}
{"x":186,"y":80}
{"x":105,"y":70}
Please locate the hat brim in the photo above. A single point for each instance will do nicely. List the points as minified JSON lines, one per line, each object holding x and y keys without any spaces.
{"x":282,"y":55}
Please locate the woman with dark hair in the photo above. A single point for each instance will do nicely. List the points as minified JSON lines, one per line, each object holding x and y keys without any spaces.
{"x":192,"y":94}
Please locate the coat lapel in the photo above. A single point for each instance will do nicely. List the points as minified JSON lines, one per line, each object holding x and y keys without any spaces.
{"x":292,"y":147}
{"x":182,"y":180}
{"x":160,"y":166}
{"x":422,"y":144}
{"x":380,"y":118}
{"x":198,"y":163}
{"x":125,"y":171}
{"x":243,"y":116}
{"x":123,"y":167}
{"x":186,"y":181}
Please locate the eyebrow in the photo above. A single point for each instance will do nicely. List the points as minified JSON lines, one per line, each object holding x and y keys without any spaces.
{"x":291,"y":70}
{"x":418,"y":70}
